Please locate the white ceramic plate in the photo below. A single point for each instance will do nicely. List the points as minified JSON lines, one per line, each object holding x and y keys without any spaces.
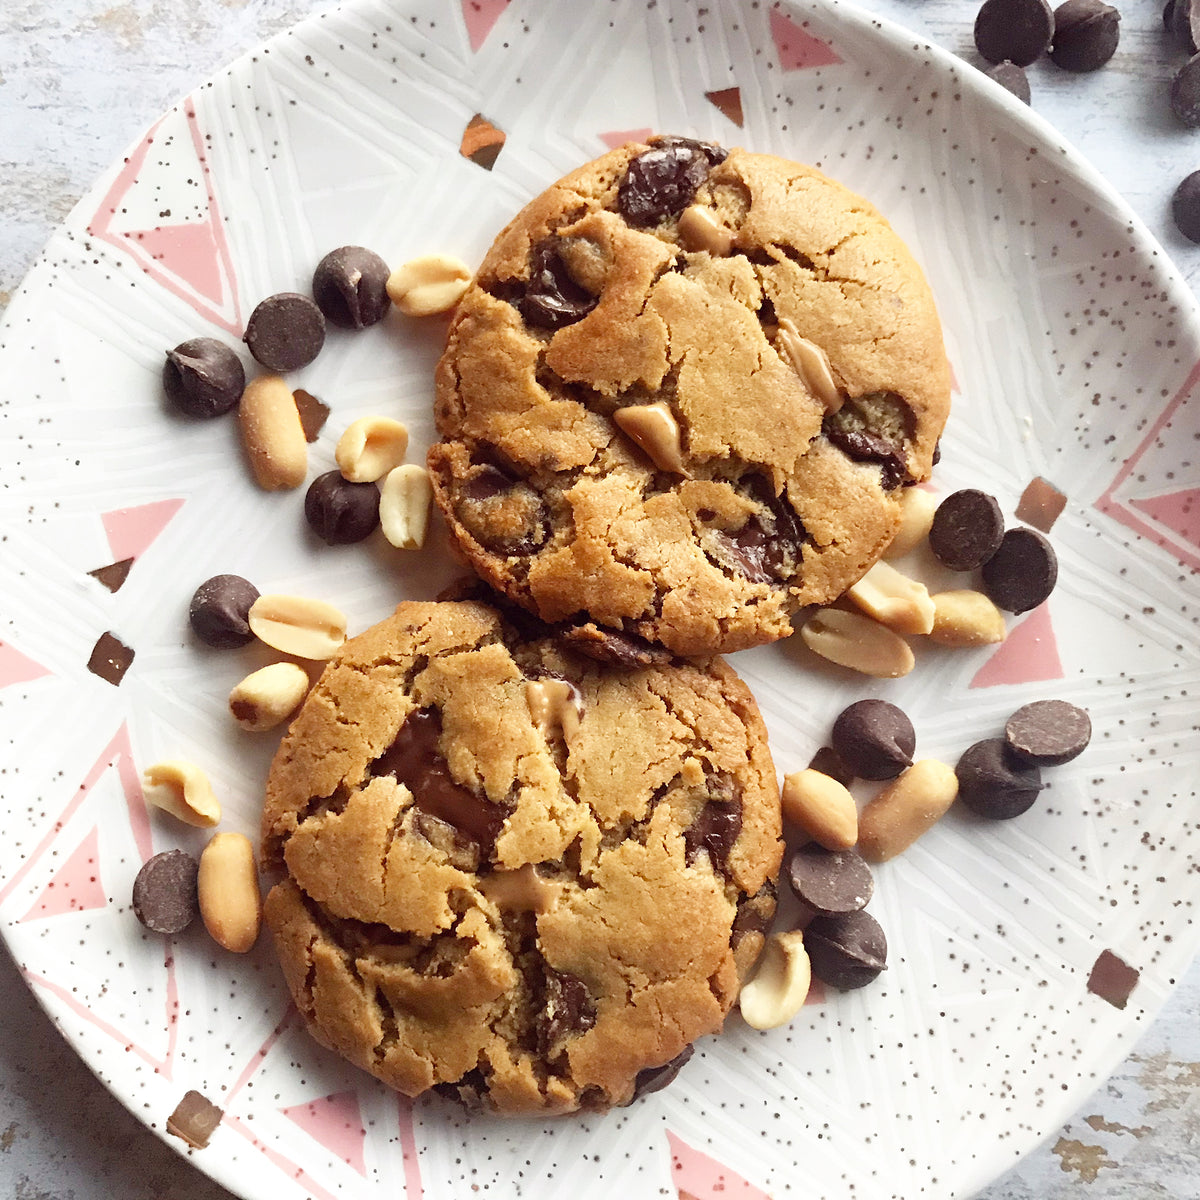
{"x":1075,"y":350}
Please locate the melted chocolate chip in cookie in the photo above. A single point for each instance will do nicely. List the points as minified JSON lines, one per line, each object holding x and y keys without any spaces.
{"x":552,"y":298}
{"x":504,"y":513}
{"x":567,"y":1009}
{"x":662,"y":181}
{"x":718,"y":825}
{"x":770,"y":545}
{"x":654,"y":1079}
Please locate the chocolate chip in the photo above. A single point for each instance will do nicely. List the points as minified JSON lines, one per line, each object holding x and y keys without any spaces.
{"x":1182,"y":21}
{"x":1185,"y":92}
{"x":1013,"y":78}
{"x":164,"y":892}
{"x":203,"y":377}
{"x":1017,"y":30}
{"x":654,"y":1079}
{"x":415,"y":760}
{"x":110,"y":659}
{"x":502,"y":512}
{"x":1185,"y":207}
{"x":754,"y":913}
{"x":339,"y":511}
{"x":1022,"y":572}
{"x":220,"y":609}
{"x":467,"y":1091}
{"x":717,"y":827}
{"x":1086,"y":33}
{"x":829,"y":762}
{"x":194,"y":1119}
{"x":864,"y":446}
{"x":967,"y":530}
{"x":552,"y":299}
{"x":994,"y":783}
{"x":613,"y":647}
{"x":874,"y":739}
{"x":1048,"y":732}
{"x":770,"y":546}
{"x":830,"y":881}
{"x":350,"y":287}
{"x":567,"y":1009}
{"x":1112,"y":979}
{"x":285,"y":332}
{"x":846,"y":950}
{"x":662,"y":181}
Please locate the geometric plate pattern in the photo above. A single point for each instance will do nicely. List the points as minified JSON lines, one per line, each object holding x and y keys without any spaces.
{"x":982,"y":1035}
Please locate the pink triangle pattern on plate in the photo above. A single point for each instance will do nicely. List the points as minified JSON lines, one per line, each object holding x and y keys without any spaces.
{"x":1177,"y":511}
{"x":76,"y":885}
{"x":336,"y":1122}
{"x":131,"y":530}
{"x":615,"y":138}
{"x":16,"y":667}
{"x":697,"y":1175}
{"x":796,"y":47}
{"x":191,"y":259}
{"x":480,"y":17}
{"x":1028,"y":655}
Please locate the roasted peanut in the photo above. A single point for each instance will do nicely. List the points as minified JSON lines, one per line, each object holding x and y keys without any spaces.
{"x":370,"y":448}
{"x":917,"y":507}
{"x":432,"y":283}
{"x":776,"y":991}
{"x":822,"y":807}
{"x":852,"y":640}
{"x":811,"y":363}
{"x":404,"y":502}
{"x":298,"y":625}
{"x":654,"y":428}
{"x":894,"y":599}
{"x":699,"y":229}
{"x":268,"y":696}
{"x":227,"y":885}
{"x":182,"y":789}
{"x":272,"y":433}
{"x":905,"y":809}
{"x":966,"y":618}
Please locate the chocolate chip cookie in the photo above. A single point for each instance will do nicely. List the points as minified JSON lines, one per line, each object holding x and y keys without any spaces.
{"x":516,"y":874}
{"x":683,"y":393}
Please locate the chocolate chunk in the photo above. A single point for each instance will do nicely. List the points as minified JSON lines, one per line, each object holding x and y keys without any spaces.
{"x":1022,"y":573}
{"x":1185,"y":92}
{"x":1185,"y":207}
{"x":1013,"y":78}
{"x":1017,"y":30}
{"x":567,"y":1009}
{"x":220,"y":609}
{"x":830,"y":881}
{"x":754,"y":913}
{"x":613,"y":647}
{"x":967,"y":530}
{"x":1086,"y":33}
{"x":1048,"y":732}
{"x":717,"y":827}
{"x":110,"y":659}
{"x":874,"y":739}
{"x":770,"y":546}
{"x":164,"y":892}
{"x":864,"y":446}
{"x":994,"y":783}
{"x":350,"y":287}
{"x":654,"y":1079}
{"x":552,"y":299}
{"x":662,"y":181}
{"x":467,"y":1091}
{"x":285,"y":332}
{"x":1041,"y":504}
{"x":502,"y":512}
{"x":846,"y":950}
{"x":415,"y":761}
{"x":194,"y":1119}
{"x":829,"y":762}
{"x":203,"y":377}
{"x":1112,"y":979}
{"x":339,"y":511}
{"x":114,"y":575}
{"x":313,"y":414}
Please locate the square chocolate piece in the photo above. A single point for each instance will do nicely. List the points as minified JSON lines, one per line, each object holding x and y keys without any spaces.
{"x":1112,"y":979}
{"x":1041,"y":504}
{"x":110,"y":659}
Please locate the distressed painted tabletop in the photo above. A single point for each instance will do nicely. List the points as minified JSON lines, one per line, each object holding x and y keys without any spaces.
{"x":78,"y":80}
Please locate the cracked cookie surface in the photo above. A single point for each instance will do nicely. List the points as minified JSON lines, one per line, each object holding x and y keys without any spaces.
{"x":513,"y":873}
{"x":682,"y":393}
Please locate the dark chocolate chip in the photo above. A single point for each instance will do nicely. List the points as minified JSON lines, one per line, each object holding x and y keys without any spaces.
{"x":1013,"y":78}
{"x":829,"y":762}
{"x":350,"y":287}
{"x":1048,"y":732}
{"x":1182,"y":22}
{"x":754,"y":913}
{"x":874,"y":739}
{"x":967,"y":530}
{"x":1086,"y":33}
{"x":220,"y":609}
{"x":203,"y":377}
{"x":552,"y":299}
{"x":339,"y":511}
{"x":1185,"y":92}
{"x":415,"y":760}
{"x":1017,"y":30}
{"x":613,"y":647}
{"x":711,"y":151}
{"x":164,"y":892}
{"x":864,"y":446}
{"x":718,"y":825}
{"x":1185,"y":207}
{"x":846,"y":950}
{"x":662,"y":181}
{"x":110,"y":659}
{"x":770,"y":546}
{"x":114,"y":575}
{"x":467,"y":1091}
{"x":567,"y":1009}
{"x":285,"y":332}
{"x":503,"y":513}
{"x":1112,"y":979}
{"x":830,"y":881}
{"x":313,"y":414}
{"x":994,"y":783}
{"x":654,"y":1079}
{"x":1022,"y":572}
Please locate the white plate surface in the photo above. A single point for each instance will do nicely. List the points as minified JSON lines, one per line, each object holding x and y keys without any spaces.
{"x":1075,"y":351}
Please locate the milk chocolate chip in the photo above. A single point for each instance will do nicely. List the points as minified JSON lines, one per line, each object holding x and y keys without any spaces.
{"x":203,"y":377}
{"x":220,"y":610}
{"x":994,"y":783}
{"x":874,"y":739}
{"x":350,"y":287}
